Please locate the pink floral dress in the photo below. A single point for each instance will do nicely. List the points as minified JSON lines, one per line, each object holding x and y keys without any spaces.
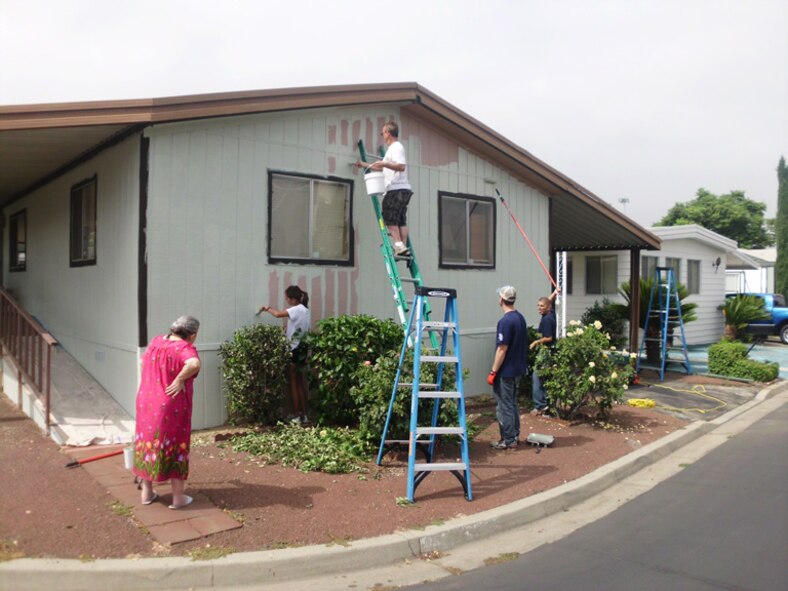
{"x":163,"y":432}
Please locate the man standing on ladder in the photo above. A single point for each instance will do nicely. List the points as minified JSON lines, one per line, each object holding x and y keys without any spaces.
{"x":398,"y":190}
{"x":509,"y":365}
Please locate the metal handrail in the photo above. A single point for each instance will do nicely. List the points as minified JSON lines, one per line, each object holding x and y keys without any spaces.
{"x":29,"y":346}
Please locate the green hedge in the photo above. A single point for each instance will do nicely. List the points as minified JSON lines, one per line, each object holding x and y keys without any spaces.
{"x":339,"y":346}
{"x":254,"y":362}
{"x":729,"y":358}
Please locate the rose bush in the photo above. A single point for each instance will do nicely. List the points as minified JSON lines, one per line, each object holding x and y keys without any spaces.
{"x":584,"y":370}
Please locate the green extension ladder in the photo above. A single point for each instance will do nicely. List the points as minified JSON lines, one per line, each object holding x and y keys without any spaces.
{"x":416,"y":330}
{"x":664,"y":312}
{"x":391,"y":259}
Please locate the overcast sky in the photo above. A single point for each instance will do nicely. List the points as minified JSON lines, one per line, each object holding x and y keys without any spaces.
{"x":638,"y":100}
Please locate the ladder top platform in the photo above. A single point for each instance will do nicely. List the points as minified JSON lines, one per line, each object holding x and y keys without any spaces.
{"x":436,"y":292}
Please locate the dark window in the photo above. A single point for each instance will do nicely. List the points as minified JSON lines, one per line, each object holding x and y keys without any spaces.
{"x":310,"y":219}
{"x":601,"y":274}
{"x":17,"y":241}
{"x":693,"y":276}
{"x":466,"y":231}
{"x":675,"y":264}
{"x":647,"y":266}
{"x":569,"y":275}
{"x":83,"y":223}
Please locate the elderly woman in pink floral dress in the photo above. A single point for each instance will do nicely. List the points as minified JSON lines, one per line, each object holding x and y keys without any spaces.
{"x":164,"y":411}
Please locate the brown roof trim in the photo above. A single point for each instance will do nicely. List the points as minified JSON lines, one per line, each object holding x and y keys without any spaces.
{"x":160,"y":110}
{"x":178,"y":108}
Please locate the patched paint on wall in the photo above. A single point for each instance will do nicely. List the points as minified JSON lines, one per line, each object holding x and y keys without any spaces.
{"x":435,"y":149}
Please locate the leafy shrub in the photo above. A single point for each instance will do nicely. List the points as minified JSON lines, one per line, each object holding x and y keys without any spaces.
{"x":339,"y":346}
{"x":741,"y":310}
{"x":311,"y":449}
{"x":610,"y":317}
{"x":372,"y":396}
{"x":584,"y":370}
{"x":254,"y":366}
{"x":729,"y":358}
{"x":723,"y":355}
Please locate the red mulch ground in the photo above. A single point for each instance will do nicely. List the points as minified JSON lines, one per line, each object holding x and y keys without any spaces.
{"x":48,"y":510}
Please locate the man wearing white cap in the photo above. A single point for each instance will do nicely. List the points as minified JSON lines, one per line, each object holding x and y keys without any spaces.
{"x":509,"y":365}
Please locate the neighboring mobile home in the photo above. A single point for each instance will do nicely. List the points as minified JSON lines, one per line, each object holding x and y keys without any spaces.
{"x":122,"y":215}
{"x":756,"y":275}
{"x":698,"y":257}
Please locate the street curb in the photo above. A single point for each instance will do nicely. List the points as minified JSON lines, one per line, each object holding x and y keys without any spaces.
{"x":276,"y":566}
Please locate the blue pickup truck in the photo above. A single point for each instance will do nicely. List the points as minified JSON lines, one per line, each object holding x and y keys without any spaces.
{"x":774,"y":304}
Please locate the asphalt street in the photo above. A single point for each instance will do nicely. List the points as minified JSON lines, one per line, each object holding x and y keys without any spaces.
{"x":720,"y":523}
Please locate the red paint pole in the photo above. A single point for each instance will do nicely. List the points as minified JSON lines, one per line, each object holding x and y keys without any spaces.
{"x":75,"y":463}
{"x":519,"y":227}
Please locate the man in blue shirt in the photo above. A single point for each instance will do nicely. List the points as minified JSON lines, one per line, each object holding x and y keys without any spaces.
{"x":547,"y":330}
{"x":509,"y":365}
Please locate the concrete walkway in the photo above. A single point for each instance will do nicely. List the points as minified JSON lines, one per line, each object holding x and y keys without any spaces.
{"x":88,"y":422}
{"x":165,"y":525}
{"x":406,"y":557}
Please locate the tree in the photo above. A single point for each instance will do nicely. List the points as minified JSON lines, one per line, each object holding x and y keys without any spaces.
{"x":732,"y":215}
{"x":781,"y":230}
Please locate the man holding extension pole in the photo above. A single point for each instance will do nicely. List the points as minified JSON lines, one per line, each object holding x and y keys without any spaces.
{"x":547,"y":330}
{"x":398,"y":190}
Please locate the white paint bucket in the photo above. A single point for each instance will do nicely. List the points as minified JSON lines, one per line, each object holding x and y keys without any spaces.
{"x":376,"y":184}
{"x":128,"y":457}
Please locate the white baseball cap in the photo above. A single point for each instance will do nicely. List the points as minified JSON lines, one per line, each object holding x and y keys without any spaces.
{"x":507,"y":293}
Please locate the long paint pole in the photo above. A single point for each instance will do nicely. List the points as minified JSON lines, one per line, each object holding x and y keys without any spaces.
{"x":519,"y":227}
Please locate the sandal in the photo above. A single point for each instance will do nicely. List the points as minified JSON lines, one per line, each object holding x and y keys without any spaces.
{"x":152,"y":499}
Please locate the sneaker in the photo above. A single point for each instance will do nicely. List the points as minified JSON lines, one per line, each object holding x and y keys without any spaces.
{"x":295,"y":421}
{"x":502,"y":445}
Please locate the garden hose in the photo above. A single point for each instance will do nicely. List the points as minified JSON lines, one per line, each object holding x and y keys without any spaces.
{"x":698,"y":389}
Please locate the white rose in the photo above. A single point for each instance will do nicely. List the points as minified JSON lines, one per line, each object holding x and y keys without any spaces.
{"x":592,"y":379}
{"x":614,"y":375}
{"x":597,"y":325}
{"x":591,"y":364}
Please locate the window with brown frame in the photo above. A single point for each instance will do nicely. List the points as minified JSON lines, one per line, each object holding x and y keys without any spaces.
{"x":310,"y":219}
{"x":466,"y":231}
{"x":83,"y":224}
{"x":17,"y":241}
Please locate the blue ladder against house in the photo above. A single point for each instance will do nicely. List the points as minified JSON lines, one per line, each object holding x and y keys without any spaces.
{"x":664,"y":312}
{"x":448,"y":330}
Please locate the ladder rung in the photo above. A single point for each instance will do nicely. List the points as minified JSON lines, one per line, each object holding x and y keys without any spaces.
{"x":409,"y":279}
{"x":439,"y":431}
{"x":433,"y":394}
{"x":432,"y":467}
{"x":410,"y":385}
{"x":439,"y":358}
{"x":395,"y":441}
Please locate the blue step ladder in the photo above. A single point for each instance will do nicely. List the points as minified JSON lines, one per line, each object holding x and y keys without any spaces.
{"x":420,"y":437}
{"x":664,"y":312}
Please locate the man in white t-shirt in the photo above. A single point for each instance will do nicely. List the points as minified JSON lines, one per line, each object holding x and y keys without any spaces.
{"x":398,"y":190}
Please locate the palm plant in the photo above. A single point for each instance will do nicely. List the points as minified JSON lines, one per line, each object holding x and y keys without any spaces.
{"x":741,"y":310}
{"x":646,"y":284}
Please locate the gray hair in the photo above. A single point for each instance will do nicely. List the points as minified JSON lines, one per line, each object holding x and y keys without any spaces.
{"x":185,"y":326}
